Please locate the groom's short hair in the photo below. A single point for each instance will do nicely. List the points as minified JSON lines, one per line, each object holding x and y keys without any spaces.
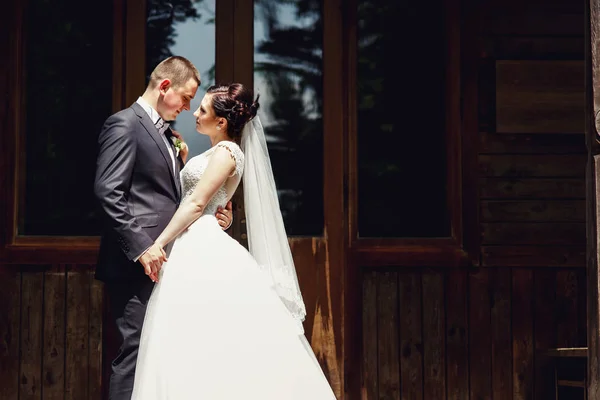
{"x":179,"y":70}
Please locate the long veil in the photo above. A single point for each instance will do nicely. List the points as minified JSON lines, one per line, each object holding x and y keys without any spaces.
{"x":267,"y":238}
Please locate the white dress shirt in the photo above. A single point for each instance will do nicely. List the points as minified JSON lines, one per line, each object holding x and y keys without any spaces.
{"x":160,"y":124}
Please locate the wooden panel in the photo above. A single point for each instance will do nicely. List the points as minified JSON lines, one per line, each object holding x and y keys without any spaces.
{"x":500,"y":291}
{"x":499,"y":188}
{"x":545,"y":338}
{"x":321,"y":324}
{"x":308,"y":259}
{"x":592,"y":32}
{"x":567,"y":308}
{"x":341,"y":287}
{"x":54,"y":333}
{"x":522,"y":325}
{"x":466,"y":26}
{"x":522,"y":233}
{"x":95,"y":337}
{"x":505,"y":143}
{"x":118,"y":44}
{"x":10,"y":318}
{"x":10,"y":71}
{"x":135,"y":51}
{"x":533,"y":22}
{"x":457,"y":347}
{"x":582,"y":306}
{"x":486,"y":109}
{"x":434,"y":371}
{"x":533,"y":210}
{"x":243,"y":43}
{"x":540,"y":96}
{"x":31,"y":335}
{"x":78,"y":310}
{"x":369,"y":303}
{"x":411,"y":339}
{"x":556,"y":166}
{"x":494,"y":348}
{"x":224,"y":25}
{"x":387,"y":336}
{"x":533,"y":256}
{"x":534,"y":47}
{"x":480,"y":367}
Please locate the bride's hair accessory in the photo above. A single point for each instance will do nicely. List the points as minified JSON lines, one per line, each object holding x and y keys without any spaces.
{"x":235,"y":103}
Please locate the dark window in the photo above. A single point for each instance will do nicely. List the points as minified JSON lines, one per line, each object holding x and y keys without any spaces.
{"x":401,"y":120}
{"x":67,"y":95}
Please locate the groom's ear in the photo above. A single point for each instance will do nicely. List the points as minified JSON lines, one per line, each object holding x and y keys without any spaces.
{"x":164,"y":86}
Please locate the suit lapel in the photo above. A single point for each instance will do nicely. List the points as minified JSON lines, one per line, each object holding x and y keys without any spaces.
{"x":153,"y":132}
{"x":169,"y":133}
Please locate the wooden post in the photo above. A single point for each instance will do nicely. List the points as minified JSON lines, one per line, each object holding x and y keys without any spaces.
{"x":592,"y":75}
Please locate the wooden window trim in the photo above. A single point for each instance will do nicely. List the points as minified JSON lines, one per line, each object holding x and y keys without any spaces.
{"x":24,"y":249}
{"x":461,"y":248}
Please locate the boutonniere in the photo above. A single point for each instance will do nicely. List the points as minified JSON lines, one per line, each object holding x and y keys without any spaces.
{"x":178,"y":143}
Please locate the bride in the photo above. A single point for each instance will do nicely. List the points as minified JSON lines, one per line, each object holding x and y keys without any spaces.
{"x":222,"y":322}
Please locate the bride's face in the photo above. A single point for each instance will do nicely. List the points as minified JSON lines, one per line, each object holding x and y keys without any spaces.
{"x":206,"y":120}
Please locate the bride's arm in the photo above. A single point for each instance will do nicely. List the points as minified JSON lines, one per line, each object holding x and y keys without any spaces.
{"x":219,"y":168}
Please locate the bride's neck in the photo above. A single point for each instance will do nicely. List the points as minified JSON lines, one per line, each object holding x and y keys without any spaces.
{"x":219,"y":138}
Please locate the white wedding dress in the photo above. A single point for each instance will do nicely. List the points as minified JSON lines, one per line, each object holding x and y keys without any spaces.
{"x":215,"y":327}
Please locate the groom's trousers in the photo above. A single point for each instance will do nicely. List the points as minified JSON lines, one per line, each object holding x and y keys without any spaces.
{"x":127,"y":304}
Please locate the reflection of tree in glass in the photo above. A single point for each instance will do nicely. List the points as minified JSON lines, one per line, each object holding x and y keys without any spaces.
{"x":400,"y":106}
{"x":68,"y":95}
{"x":160,"y":27}
{"x":291,"y":64}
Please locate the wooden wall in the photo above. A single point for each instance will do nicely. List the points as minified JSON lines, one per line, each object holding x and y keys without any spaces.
{"x":51,"y":332}
{"x":456,"y":334}
{"x":480,"y":333}
{"x":428,"y":333}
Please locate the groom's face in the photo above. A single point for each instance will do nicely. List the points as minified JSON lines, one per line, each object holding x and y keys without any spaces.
{"x":175,"y":99}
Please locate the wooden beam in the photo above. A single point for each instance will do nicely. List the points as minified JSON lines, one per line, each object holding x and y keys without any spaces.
{"x":342,"y":323}
{"x":592,"y":104}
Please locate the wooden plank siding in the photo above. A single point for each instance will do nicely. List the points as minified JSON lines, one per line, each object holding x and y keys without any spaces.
{"x":430,"y":333}
{"x":529,"y":293}
{"x":50,"y":332}
{"x":457,"y":334}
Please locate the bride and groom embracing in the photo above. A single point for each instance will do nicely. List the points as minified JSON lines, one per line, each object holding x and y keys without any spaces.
{"x":214,"y":321}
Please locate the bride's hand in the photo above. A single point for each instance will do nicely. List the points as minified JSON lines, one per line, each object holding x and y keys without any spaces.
{"x":184,"y":151}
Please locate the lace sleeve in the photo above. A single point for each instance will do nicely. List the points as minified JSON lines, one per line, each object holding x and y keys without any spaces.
{"x":237,"y":154}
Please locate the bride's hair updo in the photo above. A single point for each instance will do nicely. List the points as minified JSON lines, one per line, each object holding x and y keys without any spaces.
{"x":236,"y":104}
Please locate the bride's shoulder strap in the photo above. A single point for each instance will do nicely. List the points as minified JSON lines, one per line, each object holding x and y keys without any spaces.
{"x":236,"y":153}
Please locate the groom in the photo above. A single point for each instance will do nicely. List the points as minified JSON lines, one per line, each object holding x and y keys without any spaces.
{"x":138,"y":187}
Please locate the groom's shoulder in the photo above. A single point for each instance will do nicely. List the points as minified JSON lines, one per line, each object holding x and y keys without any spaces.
{"x":125,"y":117}
{"x":125,"y":114}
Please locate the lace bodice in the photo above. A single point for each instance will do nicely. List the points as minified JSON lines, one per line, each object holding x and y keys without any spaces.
{"x":195,"y":167}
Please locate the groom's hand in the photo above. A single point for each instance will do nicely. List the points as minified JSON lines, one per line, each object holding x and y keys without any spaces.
{"x":225,"y":216}
{"x":152,"y":261}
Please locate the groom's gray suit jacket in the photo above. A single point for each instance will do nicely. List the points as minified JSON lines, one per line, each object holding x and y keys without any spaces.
{"x":137,"y":188}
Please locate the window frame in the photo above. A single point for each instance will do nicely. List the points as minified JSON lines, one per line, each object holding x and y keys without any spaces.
{"x":461,"y":247}
{"x":26,"y":249}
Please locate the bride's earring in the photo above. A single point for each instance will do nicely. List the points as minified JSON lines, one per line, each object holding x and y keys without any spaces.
{"x":218,"y":127}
